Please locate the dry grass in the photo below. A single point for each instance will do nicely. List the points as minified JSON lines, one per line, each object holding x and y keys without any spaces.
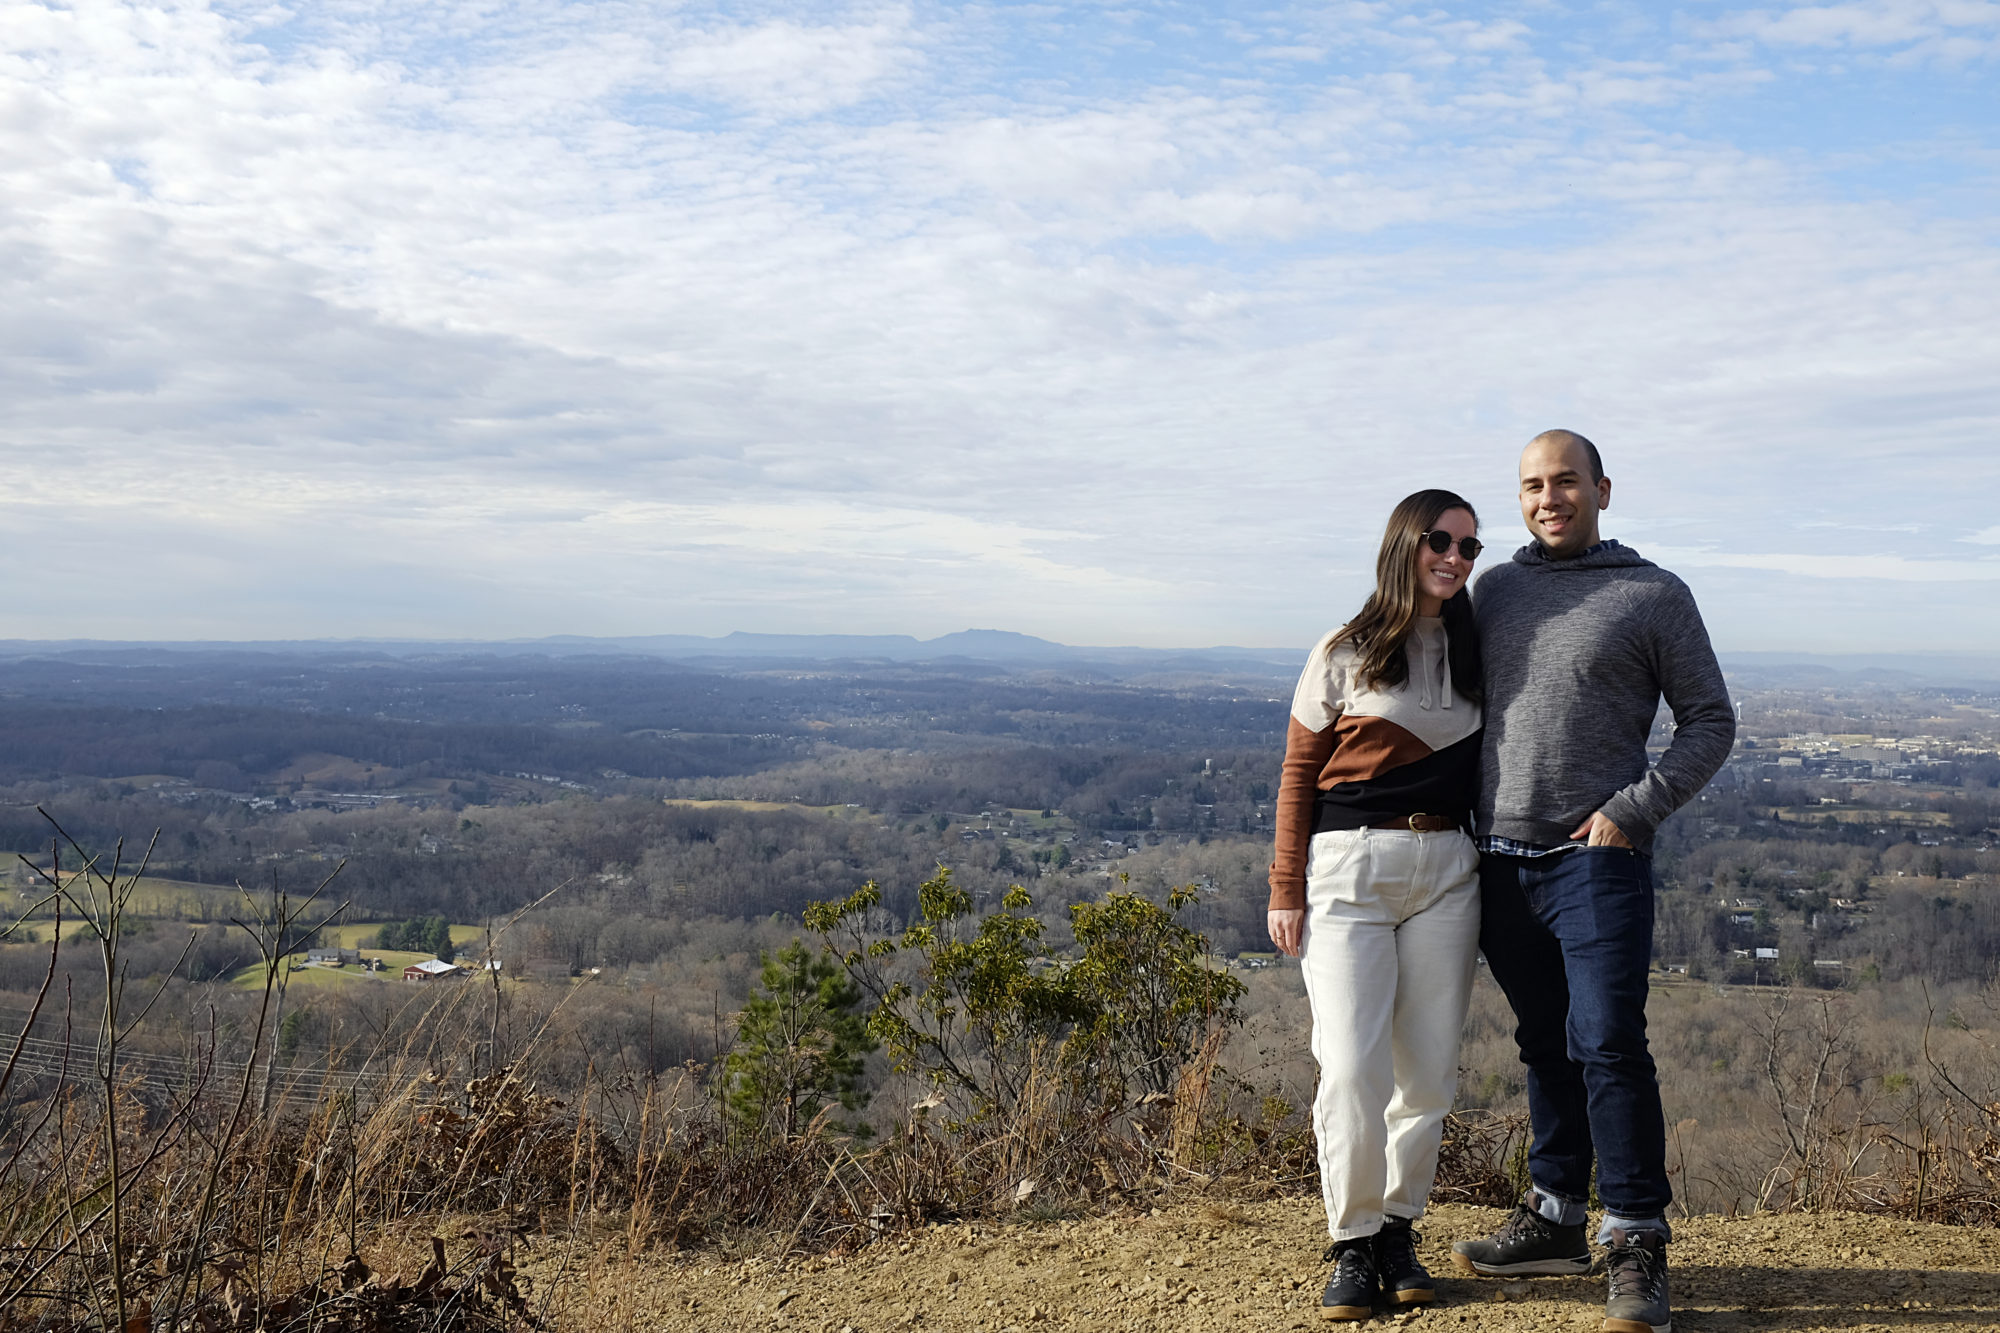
{"x":403,"y":1198}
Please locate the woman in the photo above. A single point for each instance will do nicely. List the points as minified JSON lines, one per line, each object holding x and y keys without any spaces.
{"x":1374,"y":881}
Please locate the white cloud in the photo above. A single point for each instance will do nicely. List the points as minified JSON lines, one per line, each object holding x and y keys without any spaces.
{"x":1308,"y":55}
{"x":1836,"y":567}
{"x":585,"y":319}
{"x":790,"y":67}
{"x":1953,"y":31}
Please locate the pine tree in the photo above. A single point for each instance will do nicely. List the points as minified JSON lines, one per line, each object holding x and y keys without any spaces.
{"x":439,"y":939}
{"x":800,"y":1043}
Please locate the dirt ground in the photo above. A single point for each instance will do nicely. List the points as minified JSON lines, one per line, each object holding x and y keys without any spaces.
{"x":1212,"y":1267}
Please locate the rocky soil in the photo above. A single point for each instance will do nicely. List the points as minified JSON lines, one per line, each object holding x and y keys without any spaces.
{"x":1203,"y":1267}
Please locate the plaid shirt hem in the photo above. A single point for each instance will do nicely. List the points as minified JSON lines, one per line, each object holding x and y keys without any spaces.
{"x":1499,"y":846}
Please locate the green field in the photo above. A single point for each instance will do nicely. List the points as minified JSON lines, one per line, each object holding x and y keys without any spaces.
{"x":719,"y":803}
{"x":1849,"y":814}
{"x":317,"y":977}
{"x":169,"y":904}
{"x":165,"y":906}
{"x":345,"y":937}
{"x":154,"y":898}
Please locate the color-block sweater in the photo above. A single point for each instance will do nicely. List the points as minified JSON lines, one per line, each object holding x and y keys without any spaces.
{"x":1356,"y":756}
{"x":1578,"y":654}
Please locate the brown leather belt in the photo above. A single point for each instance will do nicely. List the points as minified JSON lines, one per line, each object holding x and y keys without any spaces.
{"x":1420,"y":823}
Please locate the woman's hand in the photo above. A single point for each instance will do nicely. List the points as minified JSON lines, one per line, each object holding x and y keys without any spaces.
{"x":1286,"y":925}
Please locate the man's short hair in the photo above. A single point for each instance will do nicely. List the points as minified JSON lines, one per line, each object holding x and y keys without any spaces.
{"x":1569,"y":437}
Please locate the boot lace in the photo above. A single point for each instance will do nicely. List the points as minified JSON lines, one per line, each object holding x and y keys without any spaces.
{"x":1524,"y":1223}
{"x":1349,"y":1259}
{"x":1397,"y":1248}
{"x":1635,"y":1270}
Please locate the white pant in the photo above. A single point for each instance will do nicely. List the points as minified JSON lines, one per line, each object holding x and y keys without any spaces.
{"x":1392,"y":925}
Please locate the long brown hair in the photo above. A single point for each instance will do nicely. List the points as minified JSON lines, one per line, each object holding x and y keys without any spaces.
{"x":1382,"y":629}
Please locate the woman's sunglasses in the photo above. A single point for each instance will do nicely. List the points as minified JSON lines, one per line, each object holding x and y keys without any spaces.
{"x":1440,"y":542}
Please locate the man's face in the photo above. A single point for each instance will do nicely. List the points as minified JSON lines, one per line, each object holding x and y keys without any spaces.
{"x":1559,"y":501}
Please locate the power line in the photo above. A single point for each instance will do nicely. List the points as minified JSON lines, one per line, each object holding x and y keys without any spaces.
{"x":303,"y":1086}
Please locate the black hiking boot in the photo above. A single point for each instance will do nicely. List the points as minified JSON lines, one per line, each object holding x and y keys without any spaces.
{"x":1405,"y":1281}
{"x":1526,"y":1245}
{"x":1636,"y":1267}
{"x":1350,"y":1292}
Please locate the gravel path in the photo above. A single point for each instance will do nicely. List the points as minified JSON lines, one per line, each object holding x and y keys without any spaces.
{"x":1208,"y":1268}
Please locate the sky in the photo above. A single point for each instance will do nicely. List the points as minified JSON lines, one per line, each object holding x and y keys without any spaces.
{"x":1115,"y":324}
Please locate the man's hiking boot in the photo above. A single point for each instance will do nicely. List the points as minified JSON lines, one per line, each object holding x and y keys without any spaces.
{"x":1403,"y":1276}
{"x":1636,"y":1266}
{"x":1526,"y":1245}
{"x":1350,"y":1292}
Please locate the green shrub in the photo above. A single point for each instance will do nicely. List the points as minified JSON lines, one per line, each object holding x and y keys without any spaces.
{"x":800,"y":1044}
{"x":982,"y":1005}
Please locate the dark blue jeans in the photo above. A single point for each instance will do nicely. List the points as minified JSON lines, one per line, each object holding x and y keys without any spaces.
{"x":1570,"y":938}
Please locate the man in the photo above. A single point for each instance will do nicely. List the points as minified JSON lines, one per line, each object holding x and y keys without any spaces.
{"x":1581,"y":640}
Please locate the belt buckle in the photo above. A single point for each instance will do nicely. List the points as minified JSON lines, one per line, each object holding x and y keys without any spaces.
{"x":1412,"y":822}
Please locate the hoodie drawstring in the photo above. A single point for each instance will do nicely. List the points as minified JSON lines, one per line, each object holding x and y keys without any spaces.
{"x":1429,"y":670}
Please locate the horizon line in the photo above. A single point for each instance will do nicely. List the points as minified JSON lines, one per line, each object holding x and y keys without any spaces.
{"x":13,"y":644}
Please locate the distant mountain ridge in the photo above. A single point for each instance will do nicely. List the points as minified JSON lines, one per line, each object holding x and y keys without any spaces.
{"x":1943,"y":669}
{"x":1007,"y":648}
{"x":996,"y":647}
{"x":986,"y":645}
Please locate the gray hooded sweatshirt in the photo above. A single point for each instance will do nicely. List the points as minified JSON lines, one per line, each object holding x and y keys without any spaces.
{"x":1578,"y":655}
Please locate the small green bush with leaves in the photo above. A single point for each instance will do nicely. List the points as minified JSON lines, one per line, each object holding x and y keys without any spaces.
{"x":981,"y":1005}
{"x":1152,"y":989}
